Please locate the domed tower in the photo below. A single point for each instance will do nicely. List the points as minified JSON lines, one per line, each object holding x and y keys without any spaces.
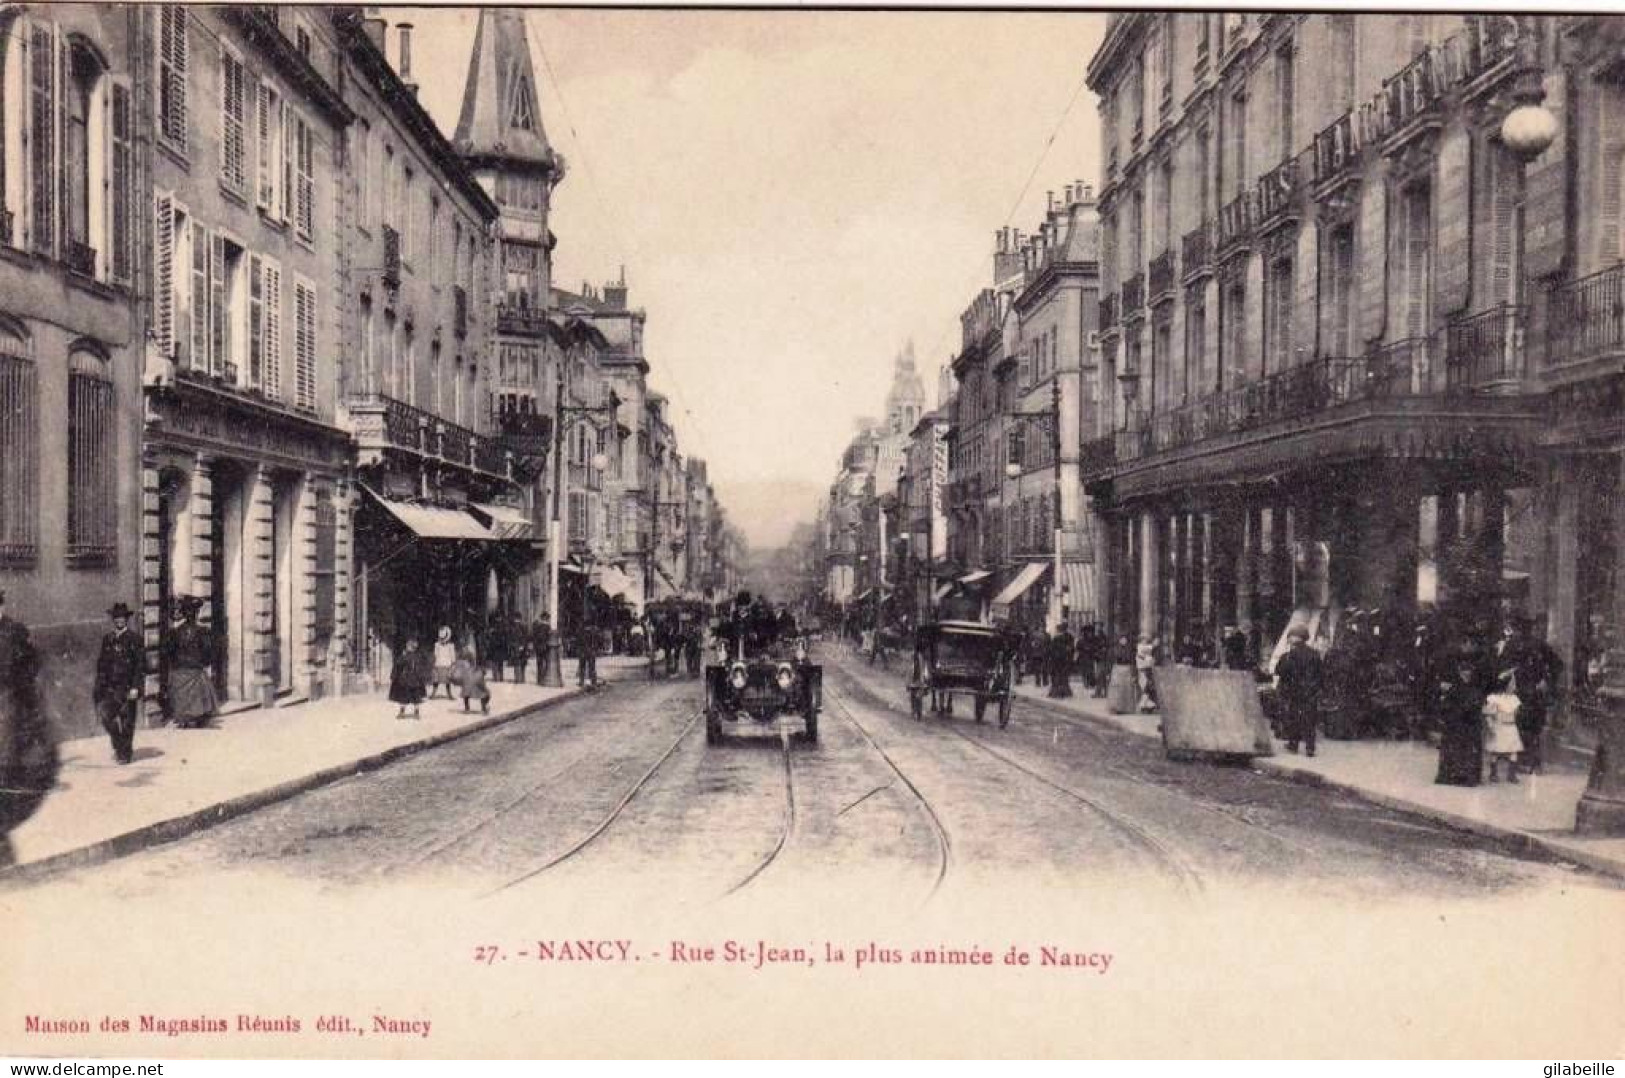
{"x":501,"y":137}
{"x":905,"y":403}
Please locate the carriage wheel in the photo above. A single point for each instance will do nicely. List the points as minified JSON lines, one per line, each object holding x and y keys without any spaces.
{"x":916,"y":703}
{"x":1004,"y":710}
{"x":981,"y":706}
{"x":713,"y":728}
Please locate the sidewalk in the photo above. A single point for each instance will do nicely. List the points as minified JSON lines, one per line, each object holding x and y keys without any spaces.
{"x":1538,"y":812}
{"x":183,"y":780}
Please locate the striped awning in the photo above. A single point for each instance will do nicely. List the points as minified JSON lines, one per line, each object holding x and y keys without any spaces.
{"x":975,"y":576}
{"x":432,"y":521}
{"x":506,"y":522}
{"x":1026,"y":578}
{"x":1078,"y":596}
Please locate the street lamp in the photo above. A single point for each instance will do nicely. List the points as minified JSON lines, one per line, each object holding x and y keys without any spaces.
{"x":552,"y":675}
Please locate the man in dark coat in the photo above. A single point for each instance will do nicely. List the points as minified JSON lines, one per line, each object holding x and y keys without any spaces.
{"x":518,"y":646}
{"x":1235,"y":649}
{"x":121,"y":669}
{"x":1298,"y":674}
{"x":1460,"y":705}
{"x":28,"y":755}
{"x":496,"y":647}
{"x":1102,"y":657}
{"x":587,"y":653}
{"x":1060,"y":664}
{"x":189,"y":652}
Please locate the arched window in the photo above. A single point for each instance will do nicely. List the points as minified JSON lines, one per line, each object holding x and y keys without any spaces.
{"x":19,"y":448}
{"x":92,"y":456}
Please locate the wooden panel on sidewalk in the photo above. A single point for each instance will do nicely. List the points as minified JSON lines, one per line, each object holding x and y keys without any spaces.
{"x":1208,"y":712}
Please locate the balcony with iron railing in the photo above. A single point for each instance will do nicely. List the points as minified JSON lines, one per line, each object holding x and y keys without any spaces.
{"x":1472,"y":357}
{"x":1160,"y":275}
{"x":1133,"y":295}
{"x":79,"y":256}
{"x":521,"y":318}
{"x":1097,"y":456}
{"x":381,"y":424}
{"x":1585,"y":321}
{"x":1196,"y":249}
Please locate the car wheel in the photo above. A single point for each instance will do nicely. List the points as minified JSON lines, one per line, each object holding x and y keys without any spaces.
{"x":1004,"y":711}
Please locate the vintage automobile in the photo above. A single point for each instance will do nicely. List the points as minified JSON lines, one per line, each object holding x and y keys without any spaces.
{"x":965,"y":657}
{"x":757,"y":677}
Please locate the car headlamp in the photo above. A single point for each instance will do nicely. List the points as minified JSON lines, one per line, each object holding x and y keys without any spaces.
{"x":737,"y":676}
{"x":786,"y":677}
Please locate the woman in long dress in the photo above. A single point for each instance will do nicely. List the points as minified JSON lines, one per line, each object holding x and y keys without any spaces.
{"x":191,"y":653}
{"x":1461,"y":716}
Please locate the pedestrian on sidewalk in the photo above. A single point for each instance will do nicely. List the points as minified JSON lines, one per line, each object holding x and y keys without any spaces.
{"x":1502,"y":741}
{"x":445,"y":657}
{"x":121,"y":669}
{"x":1461,"y":717}
{"x":28,"y":753}
{"x":470,"y":677}
{"x":1145,"y":664}
{"x":495,"y":652}
{"x":190,"y":651}
{"x":1529,"y":662}
{"x":1060,"y":686}
{"x":587,"y":654}
{"x":541,"y":638}
{"x":1298,"y":684}
{"x":518,"y":647}
{"x":409,"y":679}
{"x":1102,"y":658}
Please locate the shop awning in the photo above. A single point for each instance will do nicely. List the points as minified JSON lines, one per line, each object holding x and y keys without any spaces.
{"x":434,"y":522}
{"x":975,"y":576}
{"x":1026,"y":578}
{"x":505,"y":522}
{"x":943,"y":590}
{"x":866,"y":593}
{"x":1079,"y":597}
{"x":614,"y":582}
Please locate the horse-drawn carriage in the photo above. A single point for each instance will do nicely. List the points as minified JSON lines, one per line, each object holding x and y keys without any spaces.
{"x":967,"y":658}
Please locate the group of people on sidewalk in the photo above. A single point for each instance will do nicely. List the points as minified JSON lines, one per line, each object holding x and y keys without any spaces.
{"x":1053,"y":658}
{"x":506,"y":645}
{"x":1486,"y":704}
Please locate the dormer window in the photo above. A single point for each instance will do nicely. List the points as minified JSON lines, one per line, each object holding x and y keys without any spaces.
{"x":521,"y":105}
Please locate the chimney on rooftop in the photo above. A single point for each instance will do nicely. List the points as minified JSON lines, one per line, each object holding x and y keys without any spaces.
{"x":405,"y":65}
{"x":372,"y":22}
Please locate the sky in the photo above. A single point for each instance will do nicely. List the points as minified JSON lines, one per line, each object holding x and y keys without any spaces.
{"x":793,"y":195}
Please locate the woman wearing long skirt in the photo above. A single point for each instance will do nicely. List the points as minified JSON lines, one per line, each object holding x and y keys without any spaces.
{"x":190,"y":651}
{"x":409,"y":680}
{"x":1461,"y":716}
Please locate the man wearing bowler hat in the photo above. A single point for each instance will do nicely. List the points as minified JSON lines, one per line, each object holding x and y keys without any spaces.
{"x":120,"y":670}
{"x":190,"y":651}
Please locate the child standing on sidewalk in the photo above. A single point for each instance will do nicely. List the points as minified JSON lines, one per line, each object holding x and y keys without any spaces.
{"x":471,"y":677}
{"x":1501,"y":739}
{"x":445,"y":657}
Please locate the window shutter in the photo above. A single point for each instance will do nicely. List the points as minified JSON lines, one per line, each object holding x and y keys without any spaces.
{"x":200,"y":298}
{"x":42,"y":133}
{"x":264,"y":139}
{"x":1372,"y":259}
{"x":1503,"y":289}
{"x":285,"y":196}
{"x":1418,"y":240}
{"x":307,"y":179}
{"x":272,"y":346}
{"x":304,"y":299}
{"x":233,"y":144}
{"x":256,"y":322}
{"x":1457,"y":216}
{"x":1546,"y":210}
{"x":172,"y":63}
{"x":163,"y":272}
{"x":1610,"y":174}
{"x":121,"y":193}
{"x":218,"y":353}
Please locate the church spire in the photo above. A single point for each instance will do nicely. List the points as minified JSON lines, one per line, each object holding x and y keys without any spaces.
{"x":501,"y":119}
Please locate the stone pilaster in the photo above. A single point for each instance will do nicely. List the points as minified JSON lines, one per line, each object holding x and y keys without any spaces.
{"x":340,"y":660}
{"x":309,"y":666}
{"x":151,"y":575}
{"x":1150,"y":564}
{"x":259,"y":606}
{"x":199,"y":579}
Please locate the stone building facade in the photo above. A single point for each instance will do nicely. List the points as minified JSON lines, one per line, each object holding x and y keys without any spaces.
{"x":73,"y":209}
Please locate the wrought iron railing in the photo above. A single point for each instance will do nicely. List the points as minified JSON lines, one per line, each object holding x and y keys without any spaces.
{"x":1097,"y":456}
{"x":1161,"y":275}
{"x":1133,"y":294}
{"x":1485,"y":348}
{"x":455,"y":443}
{"x":1108,"y":312}
{"x":513,"y":318}
{"x":80,"y":257}
{"x":1586,"y":318}
{"x":382,"y":419}
{"x":491,"y":455}
{"x":1196,"y":248}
